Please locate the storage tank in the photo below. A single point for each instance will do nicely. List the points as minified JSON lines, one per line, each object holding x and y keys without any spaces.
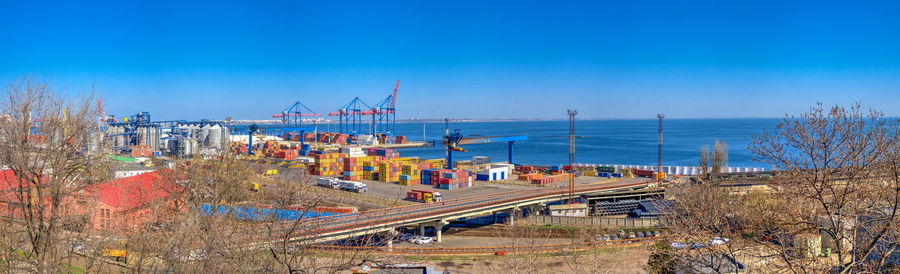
{"x":202,"y":135}
{"x":154,"y":138}
{"x":215,"y":136}
{"x":195,"y":146}
{"x":185,"y":148}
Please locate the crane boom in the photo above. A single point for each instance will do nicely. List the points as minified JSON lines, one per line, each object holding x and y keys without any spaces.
{"x":394,"y":98}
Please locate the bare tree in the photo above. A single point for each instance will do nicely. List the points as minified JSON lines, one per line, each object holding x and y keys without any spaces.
{"x":838,"y":166}
{"x":835,"y":184}
{"x":50,"y":146}
{"x":704,"y":160}
{"x":719,"y":157}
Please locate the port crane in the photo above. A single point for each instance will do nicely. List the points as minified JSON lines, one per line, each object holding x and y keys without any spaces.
{"x":274,"y":129}
{"x":453,"y":141}
{"x":386,"y":113}
{"x":293,"y":114}
{"x":352,"y":114}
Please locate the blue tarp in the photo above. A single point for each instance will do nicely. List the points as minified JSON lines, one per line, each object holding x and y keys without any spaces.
{"x":256,"y":214}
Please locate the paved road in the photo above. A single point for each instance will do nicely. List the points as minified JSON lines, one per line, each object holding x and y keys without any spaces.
{"x":407,"y":215}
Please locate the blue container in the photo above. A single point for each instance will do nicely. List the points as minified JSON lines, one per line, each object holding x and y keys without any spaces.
{"x":368,"y":168}
{"x":603,"y":174}
{"x":483,"y":177}
{"x":348,"y":173}
{"x":157,"y":154}
{"x":617,"y":175}
{"x":447,"y":186}
{"x":404,"y":177}
{"x":303,"y":153}
{"x":304,"y":147}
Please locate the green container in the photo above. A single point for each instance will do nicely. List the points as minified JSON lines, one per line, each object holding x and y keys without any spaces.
{"x":606,"y":169}
{"x":123,"y":158}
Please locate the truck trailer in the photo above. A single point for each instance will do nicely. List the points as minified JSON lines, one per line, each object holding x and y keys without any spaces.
{"x":423,"y":196}
{"x":353,"y":186}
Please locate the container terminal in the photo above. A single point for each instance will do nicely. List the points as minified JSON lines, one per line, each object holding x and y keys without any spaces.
{"x":404,"y":202}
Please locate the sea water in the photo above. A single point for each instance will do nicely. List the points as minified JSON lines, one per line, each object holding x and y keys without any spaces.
{"x":632,"y":142}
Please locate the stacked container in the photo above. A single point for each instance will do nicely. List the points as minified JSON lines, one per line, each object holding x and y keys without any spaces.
{"x":388,"y":171}
{"x":239,"y":147}
{"x":552,"y":179}
{"x":353,"y":151}
{"x":586,"y":170}
{"x":383,"y":152}
{"x":607,"y":169}
{"x":353,"y":171}
{"x":410,"y":174}
{"x":530,"y":176}
{"x":448,"y":179}
{"x":327,"y":164}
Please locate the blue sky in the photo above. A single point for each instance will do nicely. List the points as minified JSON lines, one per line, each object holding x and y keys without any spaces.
{"x":479,"y":59}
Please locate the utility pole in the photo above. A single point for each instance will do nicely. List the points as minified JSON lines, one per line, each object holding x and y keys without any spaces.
{"x":572,"y":114}
{"x":447,"y":137}
{"x":660,"y":151}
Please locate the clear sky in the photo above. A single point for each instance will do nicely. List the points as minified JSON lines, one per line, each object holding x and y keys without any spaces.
{"x":478,"y":59}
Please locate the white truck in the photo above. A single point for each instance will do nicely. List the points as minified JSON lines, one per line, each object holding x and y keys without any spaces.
{"x":353,"y":186}
{"x":328,"y":182}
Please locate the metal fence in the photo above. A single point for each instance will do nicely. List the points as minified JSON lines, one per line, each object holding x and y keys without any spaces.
{"x":591,"y":221}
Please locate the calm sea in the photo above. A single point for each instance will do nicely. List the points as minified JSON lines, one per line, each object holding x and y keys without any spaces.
{"x":601,"y":141}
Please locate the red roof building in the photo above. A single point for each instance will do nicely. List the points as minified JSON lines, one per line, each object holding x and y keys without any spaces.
{"x":132,"y":202}
{"x":121,"y":204}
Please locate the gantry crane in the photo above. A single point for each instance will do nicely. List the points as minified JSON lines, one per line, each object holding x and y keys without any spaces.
{"x":455,"y":139}
{"x":352,"y":113}
{"x":276,"y":129}
{"x":386,"y":112}
{"x":293,"y":114}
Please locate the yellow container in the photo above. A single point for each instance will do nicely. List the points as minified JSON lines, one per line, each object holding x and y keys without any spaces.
{"x":659,"y":176}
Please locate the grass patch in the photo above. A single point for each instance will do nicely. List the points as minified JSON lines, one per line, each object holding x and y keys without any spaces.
{"x":71,"y":269}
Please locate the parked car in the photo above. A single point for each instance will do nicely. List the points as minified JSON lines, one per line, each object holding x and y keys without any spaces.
{"x":678,"y":246}
{"x":631,"y":235}
{"x":718,"y":241}
{"x":405,"y":237}
{"x":697,"y":245}
{"x":640,"y":234}
{"x":421,"y":240}
{"x":601,"y":238}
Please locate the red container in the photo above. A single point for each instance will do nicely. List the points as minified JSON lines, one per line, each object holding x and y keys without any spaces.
{"x":642,"y":172}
